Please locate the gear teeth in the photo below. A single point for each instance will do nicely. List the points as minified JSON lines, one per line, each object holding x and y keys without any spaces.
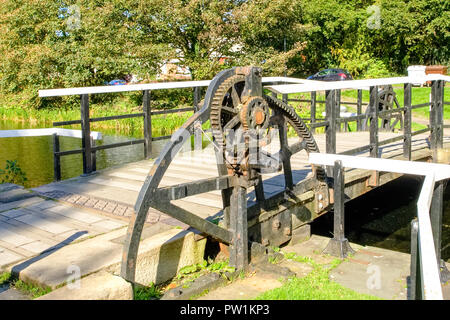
{"x":216,"y":107}
{"x":299,"y":126}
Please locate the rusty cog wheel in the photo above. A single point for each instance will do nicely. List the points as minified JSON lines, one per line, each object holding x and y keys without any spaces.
{"x":250,"y":117}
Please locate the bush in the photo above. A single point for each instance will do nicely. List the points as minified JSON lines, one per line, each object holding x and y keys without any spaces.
{"x":12,"y":173}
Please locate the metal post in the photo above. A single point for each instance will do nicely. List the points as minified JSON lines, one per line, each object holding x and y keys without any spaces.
{"x":197,"y":132}
{"x":284,"y":98}
{"x":86,"y":134}
{"x":407,"y":123}
{"x":415,"y":281}
{"x":330,"y":129}
{"x":147,"y":109}
{"x":238,"y":226}
{"x":339,"y":245}
{"x":436,"y":117}
{"x":359,"y":110}
{"x":56,"y":158}
{"x":338,"y":108}
{"x":313,"y":109}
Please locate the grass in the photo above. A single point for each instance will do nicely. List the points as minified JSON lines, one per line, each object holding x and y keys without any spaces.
{"x":4,"y":277}
{"x":315,"y":286}
{"x":44,"y":117}
{"x":30,"y":289}
{"x":27,"y":288}
{"x":419,"y":95}
{"x":151,"y":292}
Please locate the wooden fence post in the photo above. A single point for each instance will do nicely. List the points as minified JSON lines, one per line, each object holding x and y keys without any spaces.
{"x":197,"y":132}
{"x":313,"y":110}
{"x":86,"y":134}
{"x":359,"y":110}
{"x":147,"y":109}
{"x":330,"y":129}
{"x":56,"y":158}
{"x":407,"y":122}
{"x":374,"y":121}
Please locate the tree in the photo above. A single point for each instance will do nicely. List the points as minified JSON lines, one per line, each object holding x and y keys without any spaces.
{"x":50,"y":44}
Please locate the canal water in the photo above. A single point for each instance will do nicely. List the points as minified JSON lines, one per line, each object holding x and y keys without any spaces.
{"x":35,"y":154}
{"x":382,"y":217}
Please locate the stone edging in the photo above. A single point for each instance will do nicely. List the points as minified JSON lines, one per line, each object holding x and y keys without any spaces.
{"x":110,"y":207}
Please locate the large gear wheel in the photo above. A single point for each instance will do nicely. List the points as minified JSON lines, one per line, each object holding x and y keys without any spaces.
{"x":387,"y":100}
{"x":254,"y":116}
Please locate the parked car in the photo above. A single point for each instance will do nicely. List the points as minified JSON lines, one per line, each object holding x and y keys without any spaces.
{"x":116,"y":82}
{"x":331,"y":75}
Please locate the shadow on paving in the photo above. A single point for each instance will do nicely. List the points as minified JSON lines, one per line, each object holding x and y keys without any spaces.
{"x":22,"y":266}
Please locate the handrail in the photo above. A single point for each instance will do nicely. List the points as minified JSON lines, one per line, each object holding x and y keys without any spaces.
{"x":47,"y":132}
{"x":151,"y":86}
{"x":429,"y":267}
{"x":352,"y":84}
{"x":430,"y":271}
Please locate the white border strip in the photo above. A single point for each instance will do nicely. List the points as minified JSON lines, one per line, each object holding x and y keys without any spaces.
{"x":47,"y":132}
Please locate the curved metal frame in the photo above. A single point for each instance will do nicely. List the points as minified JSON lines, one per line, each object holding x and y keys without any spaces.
{"x":233,"y":187}
{"x":144,"y":200}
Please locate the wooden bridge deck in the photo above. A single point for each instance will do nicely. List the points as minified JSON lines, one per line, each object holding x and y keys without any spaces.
{"x":115,"y":190}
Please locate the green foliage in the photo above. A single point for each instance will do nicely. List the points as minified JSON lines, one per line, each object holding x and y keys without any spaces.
{"x":45,"y":46}
{"x":34,"y":291}
{"x":5,"y":277}
{"x":205,"y":266}
{"x":151,"y":292}
{"x":13,"y":173}
{"x":315,"y":286}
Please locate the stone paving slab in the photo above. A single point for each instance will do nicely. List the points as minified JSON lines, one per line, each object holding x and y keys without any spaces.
{"x":245,"y":289}
{"x":9,"y":186}
{"x":20,"y":203}
{"x":15,"y":195}
{"x":8,"y":257}
{"x":375,"y":271}
{"x":43,"y":224}
{"x":32,"y":226}
{"x":120,"y":209}
{"x":8,"y":235}
{"x":74,"y":213}
{"x":7,"y":293}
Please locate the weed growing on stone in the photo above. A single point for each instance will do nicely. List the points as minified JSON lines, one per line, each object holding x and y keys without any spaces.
{"x":4,"y":277}
{"x":151,"y":292}
{"x":30,"y":289}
